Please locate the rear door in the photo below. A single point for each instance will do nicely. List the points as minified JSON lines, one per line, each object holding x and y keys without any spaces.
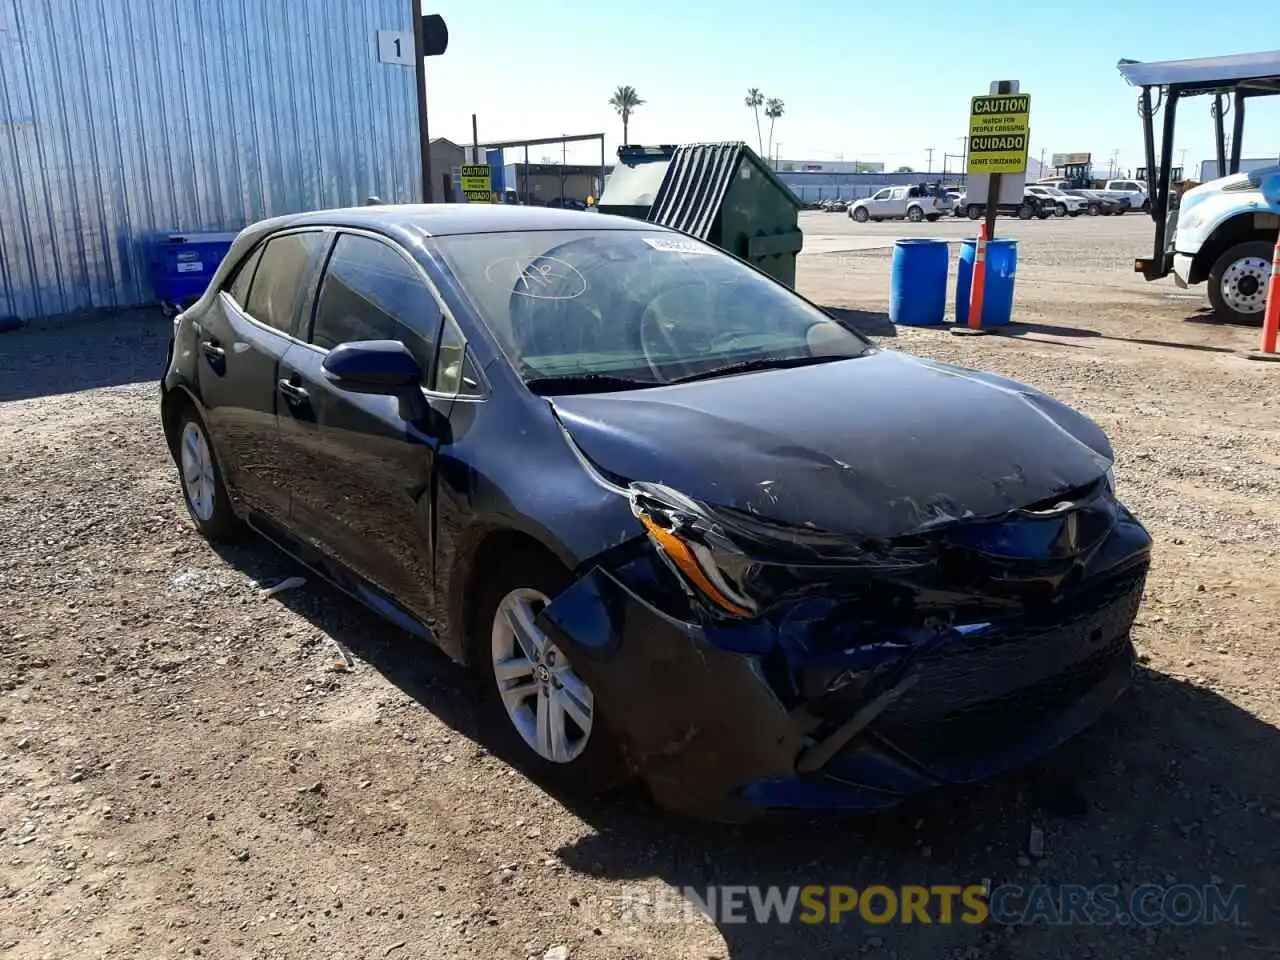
{"x":242,"y":339}
{"x":361,"y":472}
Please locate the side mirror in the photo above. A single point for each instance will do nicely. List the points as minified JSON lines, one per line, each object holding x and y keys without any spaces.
{"x":373,"y":366}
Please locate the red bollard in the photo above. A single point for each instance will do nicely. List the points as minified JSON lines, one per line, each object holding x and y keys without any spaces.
{"x":978,"y":283}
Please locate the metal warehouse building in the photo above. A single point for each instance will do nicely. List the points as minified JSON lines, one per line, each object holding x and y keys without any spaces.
{"x":120,"y":119}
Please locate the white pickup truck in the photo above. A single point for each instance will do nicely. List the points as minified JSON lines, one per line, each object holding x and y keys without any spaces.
{"x":1132,"y":190}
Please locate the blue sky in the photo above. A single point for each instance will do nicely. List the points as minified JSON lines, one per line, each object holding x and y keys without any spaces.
{"x":859,"y":80}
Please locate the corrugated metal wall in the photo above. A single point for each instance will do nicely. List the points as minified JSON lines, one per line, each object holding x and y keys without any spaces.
{"x":122,"y":118}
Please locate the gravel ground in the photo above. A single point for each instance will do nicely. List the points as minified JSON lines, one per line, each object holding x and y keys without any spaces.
{"x":189,"y":769}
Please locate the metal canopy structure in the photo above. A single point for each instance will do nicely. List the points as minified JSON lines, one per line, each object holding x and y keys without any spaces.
{"x":1231,"y":81}
{"x":543,"y":141}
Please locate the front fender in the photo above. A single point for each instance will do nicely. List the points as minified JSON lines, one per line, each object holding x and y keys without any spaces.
{"x":698,"y":722}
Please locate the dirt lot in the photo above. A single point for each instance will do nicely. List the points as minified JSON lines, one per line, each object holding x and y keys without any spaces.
{"x":183,"y":771}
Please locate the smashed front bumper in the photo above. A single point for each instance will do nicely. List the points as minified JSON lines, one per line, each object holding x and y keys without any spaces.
{"x":811,"y":707}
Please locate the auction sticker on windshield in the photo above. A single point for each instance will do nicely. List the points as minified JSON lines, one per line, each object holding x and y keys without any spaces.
{"x":677,"y":245}
{"x":999,"y":130}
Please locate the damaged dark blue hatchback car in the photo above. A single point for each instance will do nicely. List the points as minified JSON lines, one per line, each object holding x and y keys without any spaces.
{"x":684,"y":524}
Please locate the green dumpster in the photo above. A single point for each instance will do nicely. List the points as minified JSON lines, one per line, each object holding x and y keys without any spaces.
{"x":719,"y":192}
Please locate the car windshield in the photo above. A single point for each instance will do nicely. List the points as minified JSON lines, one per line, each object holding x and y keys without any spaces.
{"x":619,"y":308}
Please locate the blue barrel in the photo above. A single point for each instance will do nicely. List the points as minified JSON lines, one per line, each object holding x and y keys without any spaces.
{"x":918,"y":284}
{"x":1002,"y":269}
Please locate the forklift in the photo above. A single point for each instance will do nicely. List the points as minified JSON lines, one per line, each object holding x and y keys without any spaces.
{"x":1232,"y":82}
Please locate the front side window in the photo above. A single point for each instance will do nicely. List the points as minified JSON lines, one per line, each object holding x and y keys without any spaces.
{"x":650,"y":307}
{"x":882,"y":195}
{"x":371,"y":292}
{"x":277,"y":283}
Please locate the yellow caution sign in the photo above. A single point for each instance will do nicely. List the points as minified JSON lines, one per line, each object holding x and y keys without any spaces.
{"x":999,"y":131}
{"x":476,"y":184}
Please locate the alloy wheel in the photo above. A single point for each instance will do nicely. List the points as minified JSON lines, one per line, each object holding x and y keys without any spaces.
{"x":198,"y":481}
{"x":547,"y":702}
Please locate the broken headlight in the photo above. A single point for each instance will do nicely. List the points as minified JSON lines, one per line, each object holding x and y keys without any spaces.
{"x":707,"y":563}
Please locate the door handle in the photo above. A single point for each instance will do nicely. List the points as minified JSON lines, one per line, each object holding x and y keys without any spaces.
{"x":295,"y":394}
{"x":212,"y":350}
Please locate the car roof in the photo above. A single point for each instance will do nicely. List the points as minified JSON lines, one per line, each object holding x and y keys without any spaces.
{"x":410,"y":223}
{"x":446,"y":219}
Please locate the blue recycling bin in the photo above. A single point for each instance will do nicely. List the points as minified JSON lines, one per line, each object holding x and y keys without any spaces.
{"x":182,"y":264}
{"x":1002,"y":270}
{"x":918,"y":282}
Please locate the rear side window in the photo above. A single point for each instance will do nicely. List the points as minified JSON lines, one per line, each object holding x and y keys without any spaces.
{"x":371,"y":292}
{"x":282,"y":270}
{"x":239,"y":288}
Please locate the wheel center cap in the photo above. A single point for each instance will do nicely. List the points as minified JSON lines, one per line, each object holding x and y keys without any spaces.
{"x":542,"y":674}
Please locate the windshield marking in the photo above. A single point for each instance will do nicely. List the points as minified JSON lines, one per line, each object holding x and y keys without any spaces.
{"x":539,"y":278}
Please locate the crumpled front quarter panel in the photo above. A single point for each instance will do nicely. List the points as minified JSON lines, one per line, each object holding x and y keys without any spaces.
{"x":697,"y":721}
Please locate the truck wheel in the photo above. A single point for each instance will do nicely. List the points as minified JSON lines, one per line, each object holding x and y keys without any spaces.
{"x":975,"y":212}
{"x":915,"y":214}
{"x":1238,"y":282}
{"x":1060,"y":209}
{"x":860,"y":214}
{"x":1025,"y":212}
{"x":1094,"y":209}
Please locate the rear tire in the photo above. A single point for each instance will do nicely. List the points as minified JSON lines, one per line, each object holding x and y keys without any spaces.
{"x":1025,"y":212}
{"x":915,"y":214}
{"x":589,"y":761}
{"x":1094,"y":209}
{"x":1238,"y":282}
{"x":203,"y":490}
{"x":975,"y":212}
{"x":1060,"y":209}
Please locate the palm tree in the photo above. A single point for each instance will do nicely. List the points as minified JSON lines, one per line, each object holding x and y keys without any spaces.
{"x":624,"y":101}
{"x":773,"y":108}
{"x":755,"y":100}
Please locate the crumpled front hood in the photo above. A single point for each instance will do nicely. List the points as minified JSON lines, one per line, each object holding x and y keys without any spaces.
{"x":879,"y":446}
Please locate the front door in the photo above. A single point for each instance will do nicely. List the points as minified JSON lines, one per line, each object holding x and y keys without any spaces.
{"x":361,"y":472}
{"x":242,"y":341}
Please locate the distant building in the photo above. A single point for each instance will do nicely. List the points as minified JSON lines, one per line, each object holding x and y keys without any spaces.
{"x":830,"y":166}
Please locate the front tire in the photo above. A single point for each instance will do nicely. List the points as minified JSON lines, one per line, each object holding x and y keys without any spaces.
{"x":975,"y":212}
{"x":543,"y":711}
{"x":1238,"y":282}
{"x":1025,"y":212}
{"x":1060,"y":209}
{"x":1094,"y":209}
{"x":203,"y":490}
{"x":860,"y":214}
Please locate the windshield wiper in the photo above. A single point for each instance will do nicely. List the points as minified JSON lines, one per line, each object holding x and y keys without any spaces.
{"x":585,"y":383}
{"x":758,"y":363}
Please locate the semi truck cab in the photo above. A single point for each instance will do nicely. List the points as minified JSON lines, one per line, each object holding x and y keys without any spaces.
{"x":1221,"y":233}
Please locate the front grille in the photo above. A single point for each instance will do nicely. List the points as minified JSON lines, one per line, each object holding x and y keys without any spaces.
{"x":982,"y":729}
{"x":1022,"y":651}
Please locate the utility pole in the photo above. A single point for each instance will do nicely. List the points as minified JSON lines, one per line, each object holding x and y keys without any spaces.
{"x":964,"y":149}
{"x":1042,"y":161}
{"x":929,"y":167}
